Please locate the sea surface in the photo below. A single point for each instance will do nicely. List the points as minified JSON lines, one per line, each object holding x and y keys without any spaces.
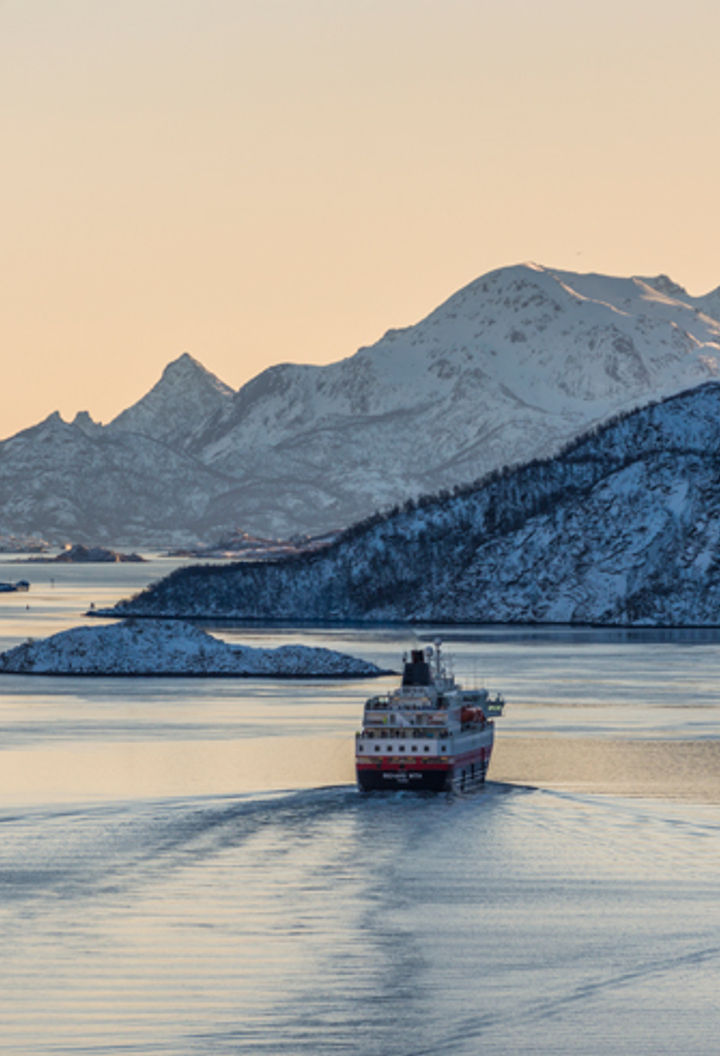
{"x":186,"y":867}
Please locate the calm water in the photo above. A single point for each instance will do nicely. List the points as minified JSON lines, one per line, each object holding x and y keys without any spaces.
{"x":185,"y":867}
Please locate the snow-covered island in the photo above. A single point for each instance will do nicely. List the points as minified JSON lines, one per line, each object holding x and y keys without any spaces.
{"x":165,"y":647}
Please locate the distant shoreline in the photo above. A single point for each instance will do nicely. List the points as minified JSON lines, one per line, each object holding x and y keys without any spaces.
{"x":284,"y":621}
{"x":317,"y":677}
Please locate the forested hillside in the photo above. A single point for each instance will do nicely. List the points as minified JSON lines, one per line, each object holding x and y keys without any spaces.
{"x":622,"y":527}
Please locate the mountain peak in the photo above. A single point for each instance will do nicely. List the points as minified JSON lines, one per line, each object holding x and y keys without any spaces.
{"x":186,"y":364}
{"x":187,"y":370}
{"x":52,"y":425}
{"x":84,"y":421}
{"x":186,"y":393}
{"x":52,"y":422}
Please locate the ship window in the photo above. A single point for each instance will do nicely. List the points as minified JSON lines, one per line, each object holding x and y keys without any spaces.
{"x":413,"y":748}
{"x":443,"y":747}
{"x":426,"y":747}
{"x":360,"y":747}
{"x":377,"y":747}
{"x":401,"y":747}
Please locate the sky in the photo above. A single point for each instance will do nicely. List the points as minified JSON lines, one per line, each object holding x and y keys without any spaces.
{"x":264,"y":181}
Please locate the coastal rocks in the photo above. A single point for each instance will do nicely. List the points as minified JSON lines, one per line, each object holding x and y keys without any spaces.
{"x":160,"y":647}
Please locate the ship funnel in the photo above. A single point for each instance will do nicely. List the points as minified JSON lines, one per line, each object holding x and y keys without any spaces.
{"x":416,"y":671}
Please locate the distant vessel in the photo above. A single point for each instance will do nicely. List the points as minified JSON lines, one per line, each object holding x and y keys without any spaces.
{"x":430,"y":734}
{"x":9,"y":588}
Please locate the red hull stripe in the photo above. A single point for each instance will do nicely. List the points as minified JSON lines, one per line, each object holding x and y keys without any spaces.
{"x":421,"y":763}
{"x":407,"y":766}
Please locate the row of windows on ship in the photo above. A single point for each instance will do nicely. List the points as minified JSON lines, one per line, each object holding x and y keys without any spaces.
{"x":387,"y":748}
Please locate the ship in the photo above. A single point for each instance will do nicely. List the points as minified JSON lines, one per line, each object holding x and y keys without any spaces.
{"x":429,"y":734}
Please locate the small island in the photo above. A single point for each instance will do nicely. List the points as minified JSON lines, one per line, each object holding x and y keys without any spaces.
{"x":84,"y":555}
{"x":171,"y":647}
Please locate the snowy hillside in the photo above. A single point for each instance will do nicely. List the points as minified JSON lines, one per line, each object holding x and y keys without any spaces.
{"x":622,"y":528}
{"x":508,"y":369}
{"x":157,"y":647}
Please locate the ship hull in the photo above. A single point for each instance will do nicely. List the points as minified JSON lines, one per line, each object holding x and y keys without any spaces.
{"x":452,"y":775}
{"x":379,"y":780}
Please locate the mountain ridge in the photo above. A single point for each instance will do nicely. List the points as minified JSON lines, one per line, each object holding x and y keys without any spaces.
{"x":509,"y":368}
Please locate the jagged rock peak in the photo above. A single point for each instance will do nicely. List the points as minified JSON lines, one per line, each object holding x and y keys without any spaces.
{"x":53,"y":421}
{"x":188,"y":369}
{"x":53,"y":425}
{"x":84,"y":421}
{"x":185,"y":397}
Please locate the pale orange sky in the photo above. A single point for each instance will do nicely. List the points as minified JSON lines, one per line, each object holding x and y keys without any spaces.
{"x":256,"y":181}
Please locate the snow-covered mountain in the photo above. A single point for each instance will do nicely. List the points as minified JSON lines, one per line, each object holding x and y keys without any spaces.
{"x":623,"y":527}
{"x":508,"y":369}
